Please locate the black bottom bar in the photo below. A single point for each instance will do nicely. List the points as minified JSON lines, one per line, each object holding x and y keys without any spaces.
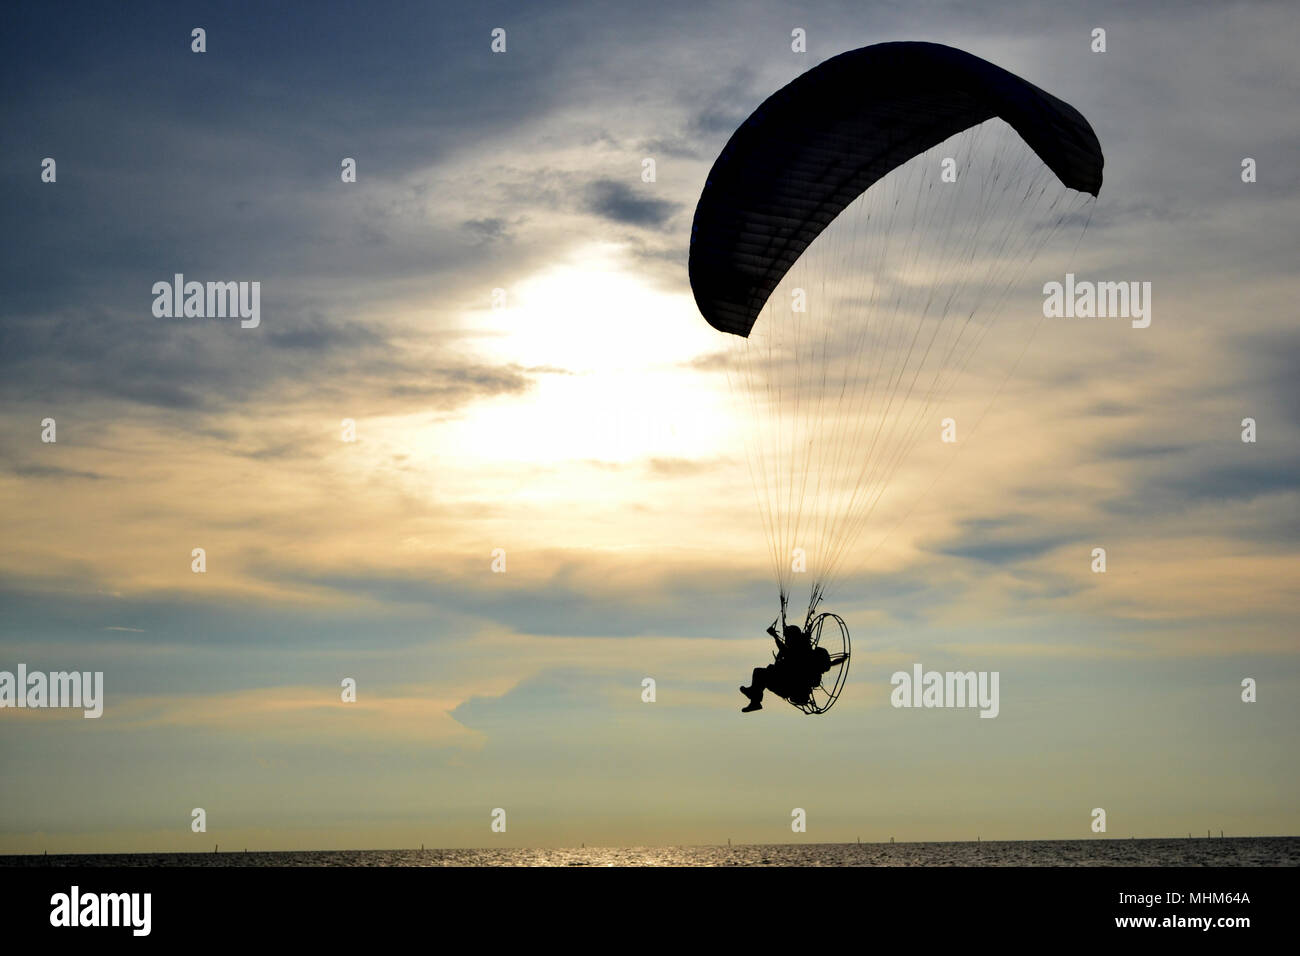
{"x":299,"y":904}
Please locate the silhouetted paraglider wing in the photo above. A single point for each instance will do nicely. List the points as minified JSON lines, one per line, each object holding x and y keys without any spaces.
{"x":817,"y":144}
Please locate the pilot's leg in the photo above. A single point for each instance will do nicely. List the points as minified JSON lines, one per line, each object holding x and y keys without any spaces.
{"x":755,"y":690}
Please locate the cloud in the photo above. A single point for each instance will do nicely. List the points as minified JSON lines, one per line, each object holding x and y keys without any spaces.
{"x":53,"y":471}
{"x":617,"y":201}
{"x":318,"y":335}
{"x":485,"y":231}
{"x":679,"y":467}
{"x":1003,"y":539}
{"x":295,"y":712}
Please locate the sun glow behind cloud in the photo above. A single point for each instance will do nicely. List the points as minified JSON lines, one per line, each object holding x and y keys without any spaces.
{"x":611,"y":355}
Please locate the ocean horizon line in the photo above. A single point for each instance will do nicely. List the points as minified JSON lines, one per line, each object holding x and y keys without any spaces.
{"x":638,"y":846}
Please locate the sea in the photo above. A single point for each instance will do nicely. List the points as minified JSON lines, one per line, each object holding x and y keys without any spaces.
{"x":1197,"y":851}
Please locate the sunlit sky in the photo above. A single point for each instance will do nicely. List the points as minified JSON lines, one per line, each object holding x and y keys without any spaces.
{"x":582,"y":427}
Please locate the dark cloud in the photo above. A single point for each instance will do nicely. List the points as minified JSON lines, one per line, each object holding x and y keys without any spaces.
{"x":1002,"y":539}
{"x":1241,"y":481}
{"x":1139,"y":448}
{"x":319,"y":335}
{"x":484,"y":231}
{"x":54,"y":471}
{"x":681,"y":147}
{"x":725,"y":105}
{"x":576,"y":600}
{"x":1110,"y":409}
{"x":1003,"y":552}
{"x":280,"y":451}
{"x":617,"y":201}
{"x":450,"y":387}
{"x":1272,"y":356}
{"x":171,"y":161}
{"x":211,"y":365}
{"x":1175,"y":487}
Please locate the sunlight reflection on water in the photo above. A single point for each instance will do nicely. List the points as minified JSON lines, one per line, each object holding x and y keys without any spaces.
{"x":1246,"y":851}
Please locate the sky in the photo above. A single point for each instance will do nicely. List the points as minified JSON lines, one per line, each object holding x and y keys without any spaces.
{"x":581,"y":428}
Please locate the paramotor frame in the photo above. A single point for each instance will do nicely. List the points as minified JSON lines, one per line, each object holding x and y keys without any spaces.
{"x":825,"y":694}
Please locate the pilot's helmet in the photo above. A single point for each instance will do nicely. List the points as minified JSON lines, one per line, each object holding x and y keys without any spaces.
{"x":793,"y":632}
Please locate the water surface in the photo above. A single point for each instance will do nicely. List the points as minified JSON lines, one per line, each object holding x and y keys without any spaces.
{"x":1240,"y":851}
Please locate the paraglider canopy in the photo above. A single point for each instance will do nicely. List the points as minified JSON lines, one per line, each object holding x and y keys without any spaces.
{"x":817,"y":144}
